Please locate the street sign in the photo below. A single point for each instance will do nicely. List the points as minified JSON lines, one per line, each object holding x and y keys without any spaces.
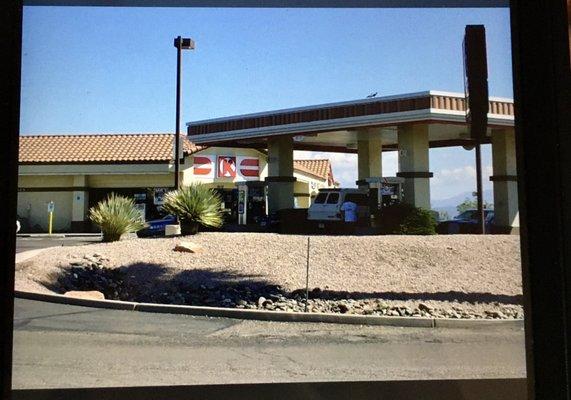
{"x":476,"y":81}
{"x":51,"y":207}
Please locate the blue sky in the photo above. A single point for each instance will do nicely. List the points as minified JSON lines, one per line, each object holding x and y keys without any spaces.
{"x":94,"y":70}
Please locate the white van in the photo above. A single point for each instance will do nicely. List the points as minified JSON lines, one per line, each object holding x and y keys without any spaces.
{"x":327,"y":204}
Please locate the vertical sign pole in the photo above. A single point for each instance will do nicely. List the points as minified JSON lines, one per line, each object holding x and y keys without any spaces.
{"x":307,"y":277}
{"x":177,"y":129}
{"x":480,"y":200}
{"x":50,"y":216}
{"x":477,"y":101}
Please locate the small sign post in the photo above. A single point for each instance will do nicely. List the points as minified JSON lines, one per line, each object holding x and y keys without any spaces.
{"x":51,"y":207}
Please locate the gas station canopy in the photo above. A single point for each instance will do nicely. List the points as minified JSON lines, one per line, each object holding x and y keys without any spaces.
{"x":334,"y":127}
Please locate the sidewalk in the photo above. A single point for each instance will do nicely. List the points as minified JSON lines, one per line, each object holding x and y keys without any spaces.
{"x":23,"y":256}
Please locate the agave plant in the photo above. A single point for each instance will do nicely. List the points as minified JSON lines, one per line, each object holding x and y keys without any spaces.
{"x":116,"y":216}
{"x":194,"y":205}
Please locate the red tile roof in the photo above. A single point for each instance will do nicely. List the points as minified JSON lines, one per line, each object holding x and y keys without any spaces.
{"x":318,"y":168}
{"x":127,"y":148}
{"x":124,"y":148}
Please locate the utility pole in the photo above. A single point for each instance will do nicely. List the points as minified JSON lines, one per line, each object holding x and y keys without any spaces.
{"x":180,"y":44}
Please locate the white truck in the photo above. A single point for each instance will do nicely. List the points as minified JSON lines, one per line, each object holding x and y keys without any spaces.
{"x":378,"y":192}
{"x":327,"y":204}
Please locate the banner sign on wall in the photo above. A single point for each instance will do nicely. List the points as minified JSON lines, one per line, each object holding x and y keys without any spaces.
{"x":203,"y":166}
{"x":226,"y":167}
{"x":158,"y":196}
{"x":249,"y":168}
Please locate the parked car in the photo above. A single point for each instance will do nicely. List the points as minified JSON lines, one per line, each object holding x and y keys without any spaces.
{"x":326,"y":208}
{"x":156,"y":227}
{"x":466,"y":222}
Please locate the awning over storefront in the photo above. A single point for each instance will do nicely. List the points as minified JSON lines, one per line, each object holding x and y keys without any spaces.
{"x":335,"y":126}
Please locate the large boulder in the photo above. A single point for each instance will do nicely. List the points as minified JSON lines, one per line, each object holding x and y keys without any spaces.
{"x":188,"y":247}
{"x":87,"y":294}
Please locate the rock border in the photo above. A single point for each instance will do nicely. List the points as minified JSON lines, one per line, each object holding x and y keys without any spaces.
{"x":280,"y":316}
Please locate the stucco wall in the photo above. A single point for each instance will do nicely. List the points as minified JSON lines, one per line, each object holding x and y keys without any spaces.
{"x":130,"y":180}
{"x":34,"y":206}
{"x":92,"y":169}
{"x":31,"y":181}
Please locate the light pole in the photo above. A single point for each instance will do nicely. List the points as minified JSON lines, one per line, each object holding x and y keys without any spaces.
{"x":180,"y":44}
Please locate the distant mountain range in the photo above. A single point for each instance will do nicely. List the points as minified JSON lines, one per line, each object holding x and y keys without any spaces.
{"x":449,"y":204}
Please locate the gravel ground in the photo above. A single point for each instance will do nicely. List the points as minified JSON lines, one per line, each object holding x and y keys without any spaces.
{"x":464,"y":272}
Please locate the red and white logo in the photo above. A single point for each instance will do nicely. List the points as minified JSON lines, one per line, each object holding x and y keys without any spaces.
{"x":226,"y":167}
{"x":249,"y":167}
{"x":203,"y":166}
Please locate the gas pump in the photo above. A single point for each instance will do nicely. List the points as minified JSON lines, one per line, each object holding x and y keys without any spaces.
{"x":252,"y":202}
{"x":383,"y":192}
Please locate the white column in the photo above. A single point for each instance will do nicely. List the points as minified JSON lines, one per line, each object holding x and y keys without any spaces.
{"x":369,"y":153}
{"x":506,"y":211}
{"x":413,"y":164}
{"x":79,"y":204}
{"x":280,"y":173}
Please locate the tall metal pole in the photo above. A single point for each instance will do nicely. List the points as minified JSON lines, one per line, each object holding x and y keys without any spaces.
{"x":177,"y":133}
{"x":479,"y":193}
{"x":307,"y":278}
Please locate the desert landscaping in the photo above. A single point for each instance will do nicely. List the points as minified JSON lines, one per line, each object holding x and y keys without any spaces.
{"x":441,"y":276}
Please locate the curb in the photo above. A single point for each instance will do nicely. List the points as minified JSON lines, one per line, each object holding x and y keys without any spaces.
{"x":279,"y":316}
{"x":58,"y":235}
{"x":40,"y":235}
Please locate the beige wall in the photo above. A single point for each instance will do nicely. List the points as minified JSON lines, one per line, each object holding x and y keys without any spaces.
{"x":45,"y":181}
{"x":131,"y":180}
{"x":93,"y":169}
{"x":309,"y":186}
{"x":34,"y":206}
{"x":302,"y":194}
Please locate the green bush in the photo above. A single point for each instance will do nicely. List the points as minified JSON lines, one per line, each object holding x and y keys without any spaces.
{"x":116,"y":216}
{"x":195,"y":205}
{"x":405,"y":219}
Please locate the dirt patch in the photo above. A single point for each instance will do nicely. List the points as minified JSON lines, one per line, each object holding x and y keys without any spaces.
{"x":464,"y":273}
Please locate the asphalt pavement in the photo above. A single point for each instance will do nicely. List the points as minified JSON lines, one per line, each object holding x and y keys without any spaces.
{"x":43,"y":242}
{"x":62,"y":346}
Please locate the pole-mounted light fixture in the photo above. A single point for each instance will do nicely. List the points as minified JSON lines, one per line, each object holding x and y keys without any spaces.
{"x":180,"y":44}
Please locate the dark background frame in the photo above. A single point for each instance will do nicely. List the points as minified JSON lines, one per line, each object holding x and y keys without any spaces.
{"x":542,"y":91}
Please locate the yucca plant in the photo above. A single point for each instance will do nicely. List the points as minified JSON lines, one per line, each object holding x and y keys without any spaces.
{"x":194,"y":205}
{"x":116,"y":216}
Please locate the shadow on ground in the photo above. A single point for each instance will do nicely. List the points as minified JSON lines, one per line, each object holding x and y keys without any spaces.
{"x":155,"y":283}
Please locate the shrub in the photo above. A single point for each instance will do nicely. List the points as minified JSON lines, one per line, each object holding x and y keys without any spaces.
{"x":194,"y":205}
{"x":405,"y":219}
{"x":116,"y":216}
